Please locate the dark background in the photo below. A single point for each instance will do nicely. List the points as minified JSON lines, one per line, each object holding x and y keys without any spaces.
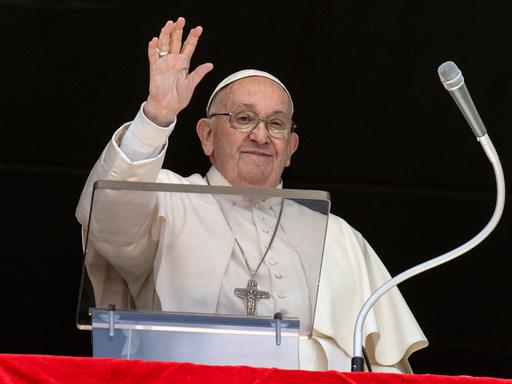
{"x":378,"y":131}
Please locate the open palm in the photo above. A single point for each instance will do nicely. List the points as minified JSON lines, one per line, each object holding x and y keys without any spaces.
{"x":170,"y":84}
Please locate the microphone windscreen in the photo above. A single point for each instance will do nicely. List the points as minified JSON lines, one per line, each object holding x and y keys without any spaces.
{"x":450,"y":75}
{"x":448,"y":71}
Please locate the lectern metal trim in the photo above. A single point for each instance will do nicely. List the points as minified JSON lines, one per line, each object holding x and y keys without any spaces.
{"x":166,"y":328}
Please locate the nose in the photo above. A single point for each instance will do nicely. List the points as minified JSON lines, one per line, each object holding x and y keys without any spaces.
{"x":260,"y":133}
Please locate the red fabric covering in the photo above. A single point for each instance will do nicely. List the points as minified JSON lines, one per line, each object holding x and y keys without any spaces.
{"x":35,"y":369}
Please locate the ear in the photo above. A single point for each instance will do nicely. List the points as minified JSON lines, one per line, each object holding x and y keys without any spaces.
{"x":204,"y":130}
{"x":292,"y":146}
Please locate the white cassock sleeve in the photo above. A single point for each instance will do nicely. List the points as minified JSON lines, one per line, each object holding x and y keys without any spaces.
{"x":110,"y":284}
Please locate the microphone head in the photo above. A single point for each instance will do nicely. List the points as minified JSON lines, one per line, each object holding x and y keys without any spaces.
{"x":450,"y":75}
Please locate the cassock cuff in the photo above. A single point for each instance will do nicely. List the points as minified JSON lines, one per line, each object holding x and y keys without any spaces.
{"x":144,"y":139}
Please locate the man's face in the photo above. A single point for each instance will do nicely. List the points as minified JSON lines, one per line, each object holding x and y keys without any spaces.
{"x":253,"y":159}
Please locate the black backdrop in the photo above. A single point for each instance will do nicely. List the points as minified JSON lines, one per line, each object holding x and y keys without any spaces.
{"x":377,"y":131}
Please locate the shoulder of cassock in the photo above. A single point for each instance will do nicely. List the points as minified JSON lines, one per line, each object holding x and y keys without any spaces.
{"x":351,"y":272}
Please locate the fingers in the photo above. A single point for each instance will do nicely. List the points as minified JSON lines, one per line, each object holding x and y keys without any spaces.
{"x":170,"y":40}
{"x":197,"y":75}
{"x":171,"y":35}
{"x":165,"y":34}
{"x":176,"y":35}
{"x":190,"y":44}
{"x":152,"y":52}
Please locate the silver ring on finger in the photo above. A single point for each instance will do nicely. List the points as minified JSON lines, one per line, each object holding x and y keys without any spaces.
{"x":161,"y":53}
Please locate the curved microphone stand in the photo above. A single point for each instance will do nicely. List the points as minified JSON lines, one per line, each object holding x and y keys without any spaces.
{"x":488,"y":147}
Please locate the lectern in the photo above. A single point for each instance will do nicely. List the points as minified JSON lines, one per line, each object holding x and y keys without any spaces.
{"x":155,"y":259}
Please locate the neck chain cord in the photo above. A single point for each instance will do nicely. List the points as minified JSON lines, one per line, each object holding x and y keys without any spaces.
{"x":251,"y":273}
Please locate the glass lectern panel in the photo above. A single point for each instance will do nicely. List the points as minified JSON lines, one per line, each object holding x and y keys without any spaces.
{"x":203,"y":249}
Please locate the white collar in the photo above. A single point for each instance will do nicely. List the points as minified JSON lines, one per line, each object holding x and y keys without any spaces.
{"x":214,"y":177}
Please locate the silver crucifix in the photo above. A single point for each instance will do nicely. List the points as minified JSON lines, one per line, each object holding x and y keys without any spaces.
{"x":251,"y":296}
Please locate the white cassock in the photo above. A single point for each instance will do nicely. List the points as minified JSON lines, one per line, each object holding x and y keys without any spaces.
{"x":148,"y":263}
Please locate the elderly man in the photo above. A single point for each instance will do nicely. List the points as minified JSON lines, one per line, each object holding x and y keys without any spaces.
{"x":249,"y":137}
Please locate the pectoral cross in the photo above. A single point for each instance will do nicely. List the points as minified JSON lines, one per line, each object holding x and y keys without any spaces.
{"x":251,"y":296}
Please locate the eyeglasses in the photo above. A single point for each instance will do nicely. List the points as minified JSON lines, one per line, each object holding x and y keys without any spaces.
{"x":246,"y":121}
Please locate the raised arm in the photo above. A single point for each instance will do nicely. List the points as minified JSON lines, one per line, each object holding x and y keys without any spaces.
{"x":122,"y":245}
{"x":171,"y":85}
{"x":170,"y":89}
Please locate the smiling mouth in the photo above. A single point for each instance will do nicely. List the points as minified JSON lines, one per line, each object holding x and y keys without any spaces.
{"x":256,"y":153}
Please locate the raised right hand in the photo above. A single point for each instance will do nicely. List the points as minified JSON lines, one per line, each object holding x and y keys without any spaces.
{"x":170,"y":83}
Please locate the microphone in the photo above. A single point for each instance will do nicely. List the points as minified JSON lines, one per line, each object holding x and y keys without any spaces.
{"x":453,"y":81}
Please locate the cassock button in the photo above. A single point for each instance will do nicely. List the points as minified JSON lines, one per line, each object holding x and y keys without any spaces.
{"x":265,"y":230}
{"x":281,"y":295}
{"x":272,"y":261}
{"x":278,"y":276}
{"x":260,"y":216}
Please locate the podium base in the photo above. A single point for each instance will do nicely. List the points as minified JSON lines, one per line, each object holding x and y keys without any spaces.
{"x":196,"y":338}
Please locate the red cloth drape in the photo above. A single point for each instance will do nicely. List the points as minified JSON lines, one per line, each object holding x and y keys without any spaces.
{"x":35,"y":369}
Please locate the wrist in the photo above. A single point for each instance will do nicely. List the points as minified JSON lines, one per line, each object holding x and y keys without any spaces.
{"x":163,"y":117}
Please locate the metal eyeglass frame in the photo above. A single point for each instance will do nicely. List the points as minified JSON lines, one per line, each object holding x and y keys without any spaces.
{"x":258,"y":119}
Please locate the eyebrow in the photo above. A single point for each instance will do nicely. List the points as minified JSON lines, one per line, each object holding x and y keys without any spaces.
{"x":251,"y":106}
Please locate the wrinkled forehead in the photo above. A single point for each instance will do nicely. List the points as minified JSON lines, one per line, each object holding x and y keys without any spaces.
{"x":242,"y":75}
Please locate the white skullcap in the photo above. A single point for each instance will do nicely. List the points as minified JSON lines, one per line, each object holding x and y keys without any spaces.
{"x":241,"y":75}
